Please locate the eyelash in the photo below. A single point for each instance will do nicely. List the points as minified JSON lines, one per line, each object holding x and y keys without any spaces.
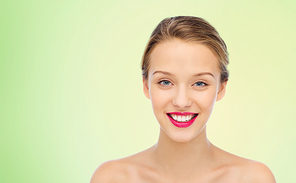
{"x":204,"y":84}
{"x":162,"y":81}
{"x":169,"y":83}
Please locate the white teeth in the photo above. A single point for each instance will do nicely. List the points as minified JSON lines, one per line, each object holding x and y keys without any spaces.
{"x":174,"y":116}
{"x":181,"y":118}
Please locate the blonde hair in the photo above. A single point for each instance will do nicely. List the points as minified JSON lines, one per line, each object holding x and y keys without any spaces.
{"x":188,"y":28}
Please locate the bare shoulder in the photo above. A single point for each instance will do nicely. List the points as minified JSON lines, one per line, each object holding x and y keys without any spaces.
{"x":128,"y":169}
{"x":110,"y":171}
{"x":238,"y":169}
{"x":256,"y":172}
{"x":249,"y":171}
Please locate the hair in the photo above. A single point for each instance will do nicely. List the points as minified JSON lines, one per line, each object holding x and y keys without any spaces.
{"x":188,"y":29}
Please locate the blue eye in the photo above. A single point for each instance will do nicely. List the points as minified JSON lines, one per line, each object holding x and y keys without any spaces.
{"x":165,"y":82}
{"x":200,"y":84}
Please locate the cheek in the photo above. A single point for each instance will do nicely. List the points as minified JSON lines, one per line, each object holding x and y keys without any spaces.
{"x":159,"y":98}
{"x":206,"y":100}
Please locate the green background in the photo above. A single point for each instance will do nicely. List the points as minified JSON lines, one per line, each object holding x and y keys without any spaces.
{"x":71,"y":93}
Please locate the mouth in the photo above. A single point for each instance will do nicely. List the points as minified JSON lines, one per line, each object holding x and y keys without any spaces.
{"x":182,"y":120}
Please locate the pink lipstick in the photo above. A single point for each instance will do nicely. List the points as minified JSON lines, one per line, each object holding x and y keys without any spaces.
{"x":182,"y":119}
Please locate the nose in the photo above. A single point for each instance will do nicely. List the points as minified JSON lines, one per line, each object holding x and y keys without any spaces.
{"x":182,"y":99}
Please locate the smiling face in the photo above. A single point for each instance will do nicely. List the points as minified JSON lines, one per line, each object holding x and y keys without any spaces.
{"x":183,"y":85}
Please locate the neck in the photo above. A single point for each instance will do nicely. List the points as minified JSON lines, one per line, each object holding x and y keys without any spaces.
{"x":175,"y":157}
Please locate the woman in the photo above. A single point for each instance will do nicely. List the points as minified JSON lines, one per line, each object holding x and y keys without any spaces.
{"x":184,"y":73}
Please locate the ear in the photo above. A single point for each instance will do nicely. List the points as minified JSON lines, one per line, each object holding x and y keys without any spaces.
{"x":222,"y":90}
{"x":146,"y":88}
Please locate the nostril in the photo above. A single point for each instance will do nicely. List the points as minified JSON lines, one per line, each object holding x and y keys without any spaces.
{"x":182,"y":104}
{"x":182,"y":99}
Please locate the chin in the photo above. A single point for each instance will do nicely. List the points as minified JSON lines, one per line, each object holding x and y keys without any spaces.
{"x":183,"y":136}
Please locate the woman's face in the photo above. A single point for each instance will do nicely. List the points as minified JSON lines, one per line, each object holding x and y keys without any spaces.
{"x":183,"y":85}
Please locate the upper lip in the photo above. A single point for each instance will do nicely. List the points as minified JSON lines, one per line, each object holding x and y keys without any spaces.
{"x":181,"y":113}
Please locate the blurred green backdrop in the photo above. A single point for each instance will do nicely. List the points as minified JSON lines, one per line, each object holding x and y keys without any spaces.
{"x":71,"y":92}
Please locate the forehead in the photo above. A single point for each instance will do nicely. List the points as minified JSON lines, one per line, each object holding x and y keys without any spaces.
{"x":178,"y":56}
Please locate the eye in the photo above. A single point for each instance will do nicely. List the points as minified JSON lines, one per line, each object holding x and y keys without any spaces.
{"x":164,"y":82}
{"x":200,"y":84}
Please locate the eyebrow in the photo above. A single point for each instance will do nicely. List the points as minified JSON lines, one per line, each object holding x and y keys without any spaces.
{"x":162,"y":72}
{"x":198,"y":74}
{"x":204,"y":73}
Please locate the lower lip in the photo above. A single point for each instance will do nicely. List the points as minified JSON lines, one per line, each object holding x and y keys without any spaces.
{"x":182,"y":124}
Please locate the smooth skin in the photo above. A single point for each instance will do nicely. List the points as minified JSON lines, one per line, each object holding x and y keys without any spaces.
{"x":183,"y":77}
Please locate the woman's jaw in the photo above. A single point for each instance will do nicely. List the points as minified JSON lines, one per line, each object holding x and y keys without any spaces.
{"x":182,"y":119}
